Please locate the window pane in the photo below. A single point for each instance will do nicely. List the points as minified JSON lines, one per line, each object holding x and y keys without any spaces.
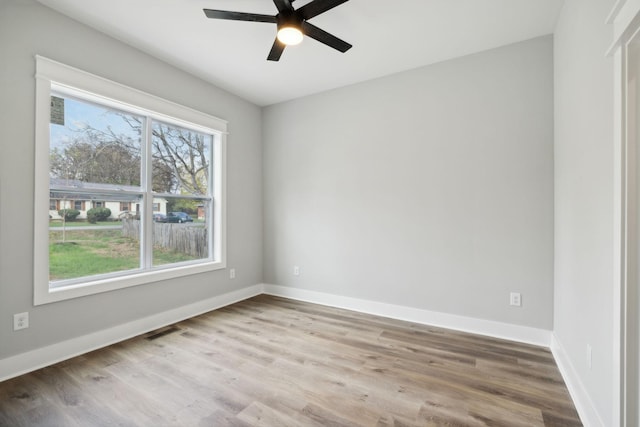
{"x":181,"y":235}
{"x":94,"y":147}
{"x":79,"y":249}
{"x":93,"y":150}
{"x":132,"y":158}
{"x":181,"y":159}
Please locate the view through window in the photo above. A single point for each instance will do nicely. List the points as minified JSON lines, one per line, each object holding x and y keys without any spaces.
{"x":129,"y":187}
{"x":105,"y":170}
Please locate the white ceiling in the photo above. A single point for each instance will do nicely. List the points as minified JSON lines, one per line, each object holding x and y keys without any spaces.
{"x":388,"y":37}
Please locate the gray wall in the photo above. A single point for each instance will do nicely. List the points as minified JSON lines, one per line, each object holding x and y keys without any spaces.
{"x":27,"y":29}
{"x":584,"y":195}
{"x":432,"y":188}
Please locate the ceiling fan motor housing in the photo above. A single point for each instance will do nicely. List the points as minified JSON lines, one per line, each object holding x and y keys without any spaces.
{"x":293,"y":19}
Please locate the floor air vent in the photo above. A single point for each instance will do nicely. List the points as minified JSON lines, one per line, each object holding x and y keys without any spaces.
{"x":161,"y":332}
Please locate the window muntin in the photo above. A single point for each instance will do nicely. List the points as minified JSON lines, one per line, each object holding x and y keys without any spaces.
{"x":62,"y":81}
{"x":97,"y":153}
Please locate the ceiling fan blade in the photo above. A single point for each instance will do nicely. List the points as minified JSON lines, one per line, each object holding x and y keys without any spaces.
{"x":316,"y":7}
{"x":324,"y":37}
{"x":239,"y":16}
{"x":276,"y":51}
{"x":283,"y":5}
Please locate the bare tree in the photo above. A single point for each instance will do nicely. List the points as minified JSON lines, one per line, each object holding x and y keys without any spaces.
{"x":108,"y":162}
{"x":185,"y":153}
{"x":180,"y":157}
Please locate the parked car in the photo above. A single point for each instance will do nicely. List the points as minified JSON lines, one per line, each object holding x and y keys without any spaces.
{"x":159,"y":217}
{"x":178,"y":217}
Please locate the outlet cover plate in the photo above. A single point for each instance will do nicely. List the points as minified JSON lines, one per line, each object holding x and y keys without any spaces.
{"x":515,"y":299}
{"x":20,"y":321}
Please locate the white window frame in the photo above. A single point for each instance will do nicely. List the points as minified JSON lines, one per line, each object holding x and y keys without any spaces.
{"x":52,"y":75}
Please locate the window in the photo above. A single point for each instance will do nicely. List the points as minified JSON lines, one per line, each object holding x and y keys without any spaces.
{"x":53,"y":205}
{"x":108,"y":146}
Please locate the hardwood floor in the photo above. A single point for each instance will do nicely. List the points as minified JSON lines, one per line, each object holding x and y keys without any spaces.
{"x":270,"y":361}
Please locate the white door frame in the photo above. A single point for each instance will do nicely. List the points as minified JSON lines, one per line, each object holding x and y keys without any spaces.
{"x":625,"y":18}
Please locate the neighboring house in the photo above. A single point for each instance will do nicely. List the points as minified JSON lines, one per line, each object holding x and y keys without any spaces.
{"x":74,"y":194}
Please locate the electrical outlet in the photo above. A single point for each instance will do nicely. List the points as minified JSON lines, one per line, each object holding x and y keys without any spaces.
{"x":516,"y":299}
{"x":296,"y":270}
{"x":232,"y":273}
{"x":20,"y":321}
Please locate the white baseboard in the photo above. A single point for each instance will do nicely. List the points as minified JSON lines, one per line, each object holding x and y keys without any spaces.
{"x":35,"y":359}
{"x":585,"y":407}
{"x":45,"y":356}
{"x":29,"y":361}
{"x":490,"y":328}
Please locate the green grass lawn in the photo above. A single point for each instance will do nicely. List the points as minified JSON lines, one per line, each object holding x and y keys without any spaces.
{"x":71,"y":224}
{"x":92,"y":252}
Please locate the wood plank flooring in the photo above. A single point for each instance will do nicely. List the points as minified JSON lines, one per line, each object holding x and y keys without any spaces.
{"x":271,"y":361}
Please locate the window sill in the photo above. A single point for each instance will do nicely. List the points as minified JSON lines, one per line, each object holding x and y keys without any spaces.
{"x":46,"y":295}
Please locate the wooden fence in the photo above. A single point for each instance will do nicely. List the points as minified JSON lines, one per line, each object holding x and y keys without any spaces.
{"x":183,"y":238}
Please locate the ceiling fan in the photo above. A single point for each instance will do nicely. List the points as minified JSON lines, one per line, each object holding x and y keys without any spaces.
{"x":292,"y":24}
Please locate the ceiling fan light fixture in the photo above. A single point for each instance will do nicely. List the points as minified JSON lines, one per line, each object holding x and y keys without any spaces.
{"x":292,"y":24}
{"x":290,"y":35}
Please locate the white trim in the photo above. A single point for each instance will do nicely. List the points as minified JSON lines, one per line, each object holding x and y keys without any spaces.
{"x":583,"y":403}
{"x":23,"y":363}
{"x":219,"y":205}
{"x":54,"y":353}
{"x":619,"y":246}
{"x":52,"y":75}
{"x":73,"y":79}
{"x":523,"y":334}
{"x":120,"y":280}
{"x":625,"y":18}
{"x":615,"y":10}
{"x":626,"y":32}
{"x":41,"y":192}
{"x":621,"y":17}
